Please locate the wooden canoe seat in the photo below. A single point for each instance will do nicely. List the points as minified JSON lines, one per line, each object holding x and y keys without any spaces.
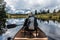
{"x":31,"y":38}
{"x":23,"y":31}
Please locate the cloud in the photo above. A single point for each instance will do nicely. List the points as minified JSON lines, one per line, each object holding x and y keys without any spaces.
{"x":33,"y":4}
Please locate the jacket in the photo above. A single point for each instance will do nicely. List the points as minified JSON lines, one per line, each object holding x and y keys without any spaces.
{"x":26,"y":23}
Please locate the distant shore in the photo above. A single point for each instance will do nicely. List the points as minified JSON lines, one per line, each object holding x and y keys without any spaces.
{"x":48,"y":16}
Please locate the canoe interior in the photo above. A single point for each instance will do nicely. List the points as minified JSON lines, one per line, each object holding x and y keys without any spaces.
{"x":37,"y":34}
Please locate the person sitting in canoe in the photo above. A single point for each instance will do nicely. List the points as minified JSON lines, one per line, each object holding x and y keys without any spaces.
{"x":30,"y":29}
{"x":30,"y":22}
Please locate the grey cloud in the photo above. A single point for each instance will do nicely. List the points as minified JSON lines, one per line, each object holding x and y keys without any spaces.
{"x":48,"y":4}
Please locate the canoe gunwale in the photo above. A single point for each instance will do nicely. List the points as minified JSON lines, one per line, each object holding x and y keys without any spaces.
{"x":31,"y":38}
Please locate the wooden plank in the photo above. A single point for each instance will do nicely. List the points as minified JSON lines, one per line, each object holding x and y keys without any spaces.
{"x":31,"y":38}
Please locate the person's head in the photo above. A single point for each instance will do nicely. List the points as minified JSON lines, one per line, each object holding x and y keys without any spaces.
{"x":30,"y":14}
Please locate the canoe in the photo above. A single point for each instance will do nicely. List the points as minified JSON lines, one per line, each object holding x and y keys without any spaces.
{"x":37,"y":34}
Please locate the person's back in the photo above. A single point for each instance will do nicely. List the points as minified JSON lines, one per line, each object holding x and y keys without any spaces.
{"x":30,"y":22}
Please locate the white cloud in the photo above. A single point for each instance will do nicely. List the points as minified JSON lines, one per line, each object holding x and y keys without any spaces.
{"x":33,"y":4}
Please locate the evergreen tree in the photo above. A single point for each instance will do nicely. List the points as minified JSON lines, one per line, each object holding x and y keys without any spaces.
{"x":35,"y":12}
{"x":48,"y":11}
{"x":2,"y":16}
{"x":58,"y":11}
{"x":43,"y":12}
{"x":54,"y":11}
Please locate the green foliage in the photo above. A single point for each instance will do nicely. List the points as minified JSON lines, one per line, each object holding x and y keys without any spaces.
{"x":2,"y":16}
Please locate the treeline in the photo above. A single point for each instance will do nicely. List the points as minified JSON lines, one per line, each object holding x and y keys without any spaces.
{"x":2,"y":17}
{"x":45,"y":12}
{"x":47,"y":15}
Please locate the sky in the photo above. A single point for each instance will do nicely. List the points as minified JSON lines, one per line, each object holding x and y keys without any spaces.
{"x":33,"y":4}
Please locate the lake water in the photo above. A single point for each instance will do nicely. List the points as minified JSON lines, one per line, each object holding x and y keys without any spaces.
{"x":50,"y":28}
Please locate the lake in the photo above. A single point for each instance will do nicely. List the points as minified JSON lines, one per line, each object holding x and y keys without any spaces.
{"x":50,"y":28}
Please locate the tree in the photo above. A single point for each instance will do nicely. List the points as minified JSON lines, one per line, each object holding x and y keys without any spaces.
{"x":2,"y":15}
{"x":35,"y":12}
{"x":43,"y":12}
{"x":48,"y":11}
{"x":58,"y":11}
{"x":54,"y":11}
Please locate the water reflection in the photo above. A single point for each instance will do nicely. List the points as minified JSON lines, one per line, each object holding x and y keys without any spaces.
{"x":51,"y":28}
{"x":15,"y":21}
{"x":48,"y":20}
{"x":11,"y":32}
